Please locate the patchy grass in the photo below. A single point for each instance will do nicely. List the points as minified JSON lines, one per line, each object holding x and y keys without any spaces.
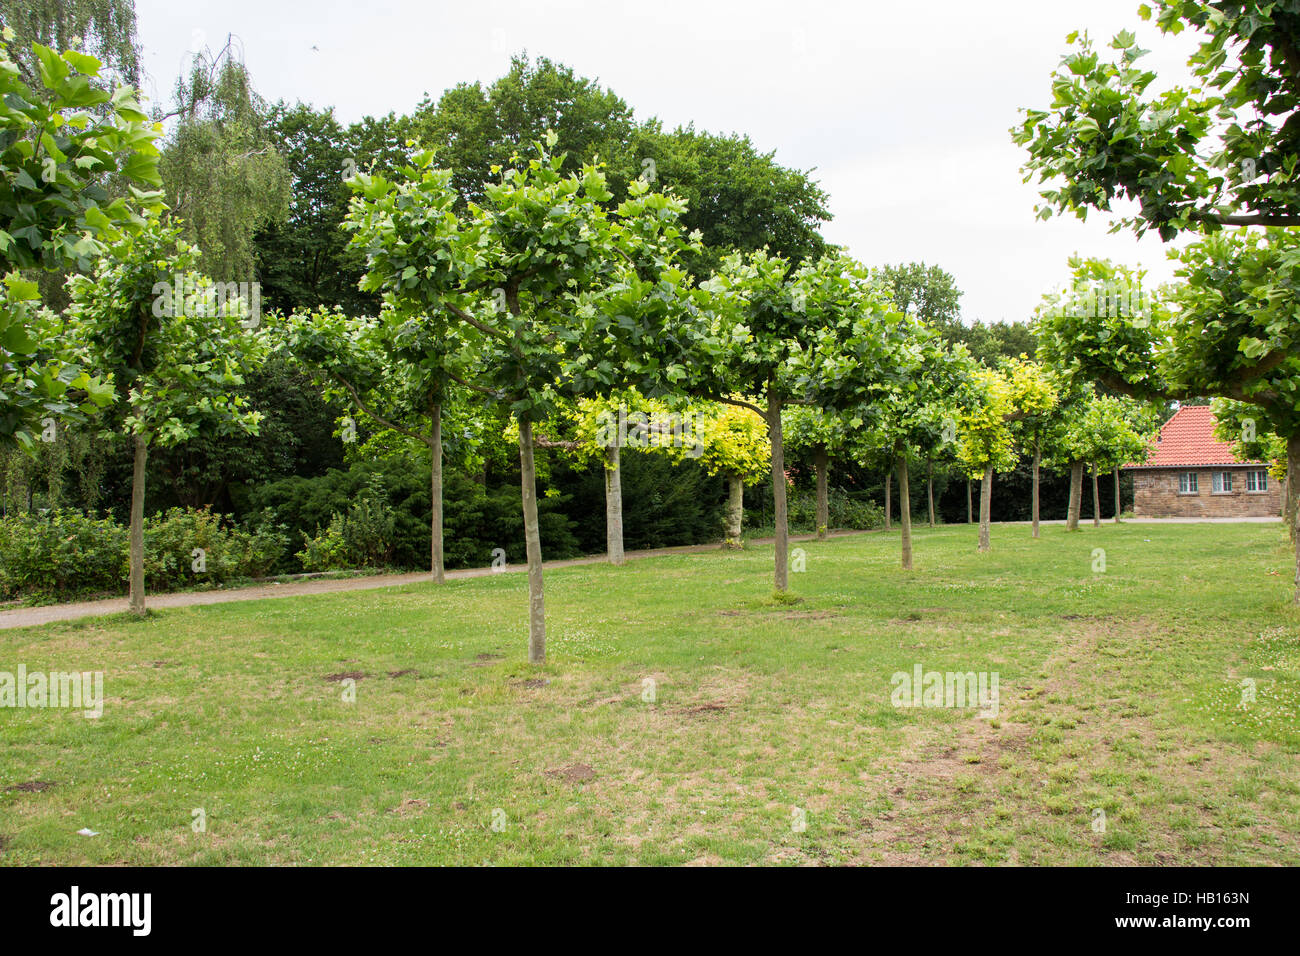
{"x":687,"y":716}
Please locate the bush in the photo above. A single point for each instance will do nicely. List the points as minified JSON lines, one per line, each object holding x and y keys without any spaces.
{"x":361,"y":538}
{"x":845,"y":511}
{"x":64,"y":554}
{"x":61,"y":554}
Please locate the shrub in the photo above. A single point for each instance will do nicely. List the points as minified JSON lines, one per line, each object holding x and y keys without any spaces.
{"x":361,"y":538}
{"x":64,"y":554}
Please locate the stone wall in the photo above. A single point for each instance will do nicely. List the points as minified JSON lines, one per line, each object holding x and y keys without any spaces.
{"x":1155,"y":492}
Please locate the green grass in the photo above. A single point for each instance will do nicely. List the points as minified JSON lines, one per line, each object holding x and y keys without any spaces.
{"x":1119,"y":691}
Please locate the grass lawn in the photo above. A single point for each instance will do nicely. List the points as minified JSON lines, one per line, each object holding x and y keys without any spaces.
{"x":1119,"y":691}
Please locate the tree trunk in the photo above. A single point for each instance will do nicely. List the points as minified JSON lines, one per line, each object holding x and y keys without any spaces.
{"x":1293,"y":495}
{"x":822,"y":462}
{"x":986,"y":506}
{"x":905,"y":511}
{"x":1038,"y":461}
{"x":1076,"y":496}
{"x":137,"y":527}
{"x":782,"y":555}
{"x":435,"y":491}
{"x":735,"y":511}
{"x":533,"y":539}
{"x":929,"y":489}
{"x":889,"y":503}
{"x":1119,"y":504}
{"x":1096,"y":500}
{"x":614,"y":505}
{"x":970,"y":513}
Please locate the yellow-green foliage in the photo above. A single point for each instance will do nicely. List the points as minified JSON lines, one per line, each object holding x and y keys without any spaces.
{"x":735,"y":442}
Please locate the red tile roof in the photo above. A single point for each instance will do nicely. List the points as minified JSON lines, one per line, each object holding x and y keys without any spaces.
{"x":1188,"y":439}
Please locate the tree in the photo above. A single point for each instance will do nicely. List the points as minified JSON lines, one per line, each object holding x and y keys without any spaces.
{"x":397,"y":371}
{"x":736,"y":446}
{"x":1031,"y":428}
{"x":553,"y":293}
{"x":825,"y":435}
{"x":986,"y":441}
{"x":224,"y":177}
{"x":765,"y":312}
{"x":60,"y":138}
{"x":304,"y":262}
{"x":176,"y":353}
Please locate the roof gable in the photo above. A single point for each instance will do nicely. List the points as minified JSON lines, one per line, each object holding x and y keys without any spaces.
{"x":1187,"y":439}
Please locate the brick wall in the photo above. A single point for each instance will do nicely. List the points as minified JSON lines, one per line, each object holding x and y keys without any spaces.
{"x":1155,"y":493}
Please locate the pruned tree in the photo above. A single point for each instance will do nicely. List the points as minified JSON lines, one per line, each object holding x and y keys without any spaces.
{"x":177,"y":354}
{"x":554,"y":293}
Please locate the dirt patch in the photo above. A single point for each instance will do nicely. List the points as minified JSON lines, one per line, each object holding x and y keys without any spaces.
{"x":31,"y":786}
{"x":573,"y":773}
{"x":708,"y":707}
{"x":533,"y":683}
{"x":397,"y":674}
{"x":409,"y":806}
{"x":345,"y":675}
{"x":4,"y":842}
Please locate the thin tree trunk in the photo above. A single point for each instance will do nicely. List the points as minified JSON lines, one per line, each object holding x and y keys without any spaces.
{"x":614,"y":505}
{"x":822,"y":462}
{"x":137,"y":527}
{"x":929,"y":489}
{"x":970,"y":512}
{"x":1038,"y":461}
{"x":889,"y":503}
{"x":986,"y":506}
{"x":1119,"y":504}
{"x":778,"y":488}
{"x":1076,"y":496}
{"x":533,"y":539}
{"x":1096,"y":500}
{"x":435,"y":491}
{"x":905,"y":511}
{"x":735,"y":511}
{"x":1293,"y":495}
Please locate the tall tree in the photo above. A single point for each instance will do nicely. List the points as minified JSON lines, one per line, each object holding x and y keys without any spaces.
{"x":176,"y":353}
{"x":224,"y":177}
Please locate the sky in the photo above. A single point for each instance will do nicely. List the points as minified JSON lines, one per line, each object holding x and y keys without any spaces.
{"x":901,"y":110}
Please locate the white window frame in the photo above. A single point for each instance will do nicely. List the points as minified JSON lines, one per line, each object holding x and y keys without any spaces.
{"x":1257,"y":481}
{"x":1187,"y":483}
{"x":1221,"y":483}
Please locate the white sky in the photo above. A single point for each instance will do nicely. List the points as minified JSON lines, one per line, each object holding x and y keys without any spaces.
{"x":903,"y":109}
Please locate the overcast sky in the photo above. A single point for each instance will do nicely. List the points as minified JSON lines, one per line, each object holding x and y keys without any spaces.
{"x":902,"y":109}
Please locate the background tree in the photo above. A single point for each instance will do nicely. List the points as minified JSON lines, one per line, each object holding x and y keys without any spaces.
{"x":224,"y":177}
{"x":396,"y":370}
{"x":174,"y":351}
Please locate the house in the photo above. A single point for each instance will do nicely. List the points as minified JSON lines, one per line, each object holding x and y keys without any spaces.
{"x":1191,"y":474}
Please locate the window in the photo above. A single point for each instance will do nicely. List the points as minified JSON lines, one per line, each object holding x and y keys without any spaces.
{"x":1187,"y":483}
{"x":1257,"y":480}
{"x":1222,"y":482}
